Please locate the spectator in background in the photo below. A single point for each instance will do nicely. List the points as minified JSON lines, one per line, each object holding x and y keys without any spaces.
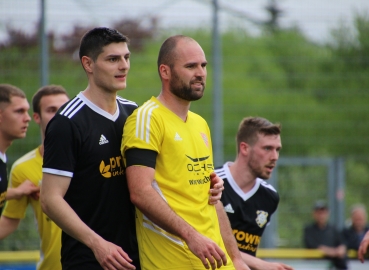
{"x":325,"y":237}
{"x":355,"y":233}
{"x":249,"y":200}
{"x":14,"y":119}
{"x":46,"y":101}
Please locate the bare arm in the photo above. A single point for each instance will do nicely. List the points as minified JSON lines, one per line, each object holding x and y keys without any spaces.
{"x":336,"y":252}
{"x":7,"y":226}
{"x":258,"y":264}
{"x":148,"y":200}
{"x":53,"y":204}
{"x":363,"y":248}
{"x":228,"y":238}
{"x":26,"y":188}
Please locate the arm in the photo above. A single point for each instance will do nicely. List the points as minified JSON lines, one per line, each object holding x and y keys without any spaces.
{"x":216,"y":188}
{"x":228,"y":238}
{"x":363,"y":248}
{"x":7,"y":226}
{"x":26,"y":188}
{"x":53,"y":204}
{"x":148,"y":200}
{"x":258,"y":264}
{"x":335,"y":252}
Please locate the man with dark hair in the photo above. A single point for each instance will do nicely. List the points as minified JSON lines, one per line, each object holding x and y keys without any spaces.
{"x":168,"y":154}
{"x":248,"y":200}
{"x":46,"y":101}
{"x":14,"y":119}
{"x":321,"y":235}
{"x":84,"y":190}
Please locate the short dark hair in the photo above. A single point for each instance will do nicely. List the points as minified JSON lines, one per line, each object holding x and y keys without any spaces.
{"x":7,"y":91}
{"x":47,"y":90}
{"x":250,"y":127}
{"x":93,"y":41}
{"x":167,"y":54}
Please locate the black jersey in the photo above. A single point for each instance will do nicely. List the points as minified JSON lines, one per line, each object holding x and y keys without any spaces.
{"x":3,"y":182}
{"x":83,"y":142}
{"x":249,"y":212}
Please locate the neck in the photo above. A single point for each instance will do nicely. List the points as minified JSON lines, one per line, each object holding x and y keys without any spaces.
{"x":177,"y":105}
{"x":242,"y":176}
{"x":104,"y":100}
{"x":4,"y":144}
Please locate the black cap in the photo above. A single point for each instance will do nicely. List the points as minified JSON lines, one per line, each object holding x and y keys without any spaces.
{"x":320,"y":205}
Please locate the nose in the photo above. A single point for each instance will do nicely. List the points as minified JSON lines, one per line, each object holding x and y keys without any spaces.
{"x":275,"y":155}
{"x":124,"y":64}
{"x":27,"y":117}
{"x":201,"y":72}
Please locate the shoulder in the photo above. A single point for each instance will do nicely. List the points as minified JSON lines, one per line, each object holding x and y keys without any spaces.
{"x":24,"y":160}
{"x":126,"y":102}
{"x":71,"y":108}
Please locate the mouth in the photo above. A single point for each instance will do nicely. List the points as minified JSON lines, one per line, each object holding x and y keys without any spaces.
{"x":121,"y":77}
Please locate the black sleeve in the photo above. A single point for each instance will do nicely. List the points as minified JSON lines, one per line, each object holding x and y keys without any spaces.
{"x":144,"y":157}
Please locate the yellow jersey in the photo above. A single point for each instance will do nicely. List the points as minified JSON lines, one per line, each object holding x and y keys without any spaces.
{"x":30,"y":167}
{"x":182,"y":177}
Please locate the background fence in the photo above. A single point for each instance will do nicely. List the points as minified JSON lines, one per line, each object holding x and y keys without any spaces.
{"x":305,"y":66}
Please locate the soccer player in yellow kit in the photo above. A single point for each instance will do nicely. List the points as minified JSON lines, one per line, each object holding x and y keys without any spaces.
{"x":46,"y":101}
{"x":168,"y":154}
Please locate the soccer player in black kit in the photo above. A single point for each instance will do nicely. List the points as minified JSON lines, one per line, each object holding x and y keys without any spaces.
{"x":84,"y":189}
{"x":248,"y":200}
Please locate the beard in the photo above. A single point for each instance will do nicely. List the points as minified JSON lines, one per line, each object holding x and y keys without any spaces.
{"x":257,"y":170}
{"x":184,"y":91}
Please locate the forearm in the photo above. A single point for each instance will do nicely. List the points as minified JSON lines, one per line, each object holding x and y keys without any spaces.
{"x":338,"y":252}
{"x":226,"y":232}
{"x":8,"y":226}
{"x":152,"y":205}
{"x":12,"y":194}
{"x":64,"y":216}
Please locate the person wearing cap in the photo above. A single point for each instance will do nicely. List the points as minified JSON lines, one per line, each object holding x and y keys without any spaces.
{"x":325,"y":237}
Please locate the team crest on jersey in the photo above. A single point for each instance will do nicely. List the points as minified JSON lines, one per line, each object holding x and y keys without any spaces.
{"x":261,"y":219}
{"x":205,"y":138}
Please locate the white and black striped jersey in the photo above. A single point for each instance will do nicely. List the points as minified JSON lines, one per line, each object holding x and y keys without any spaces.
{"x":249,"y":212}
{"x":83,"y":142}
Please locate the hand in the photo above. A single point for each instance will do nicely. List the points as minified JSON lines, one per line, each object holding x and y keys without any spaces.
{"x":26,"y":188}
{"x":111,"y":256}
{"x":216,"y":188}
{"x":207,"y":251}
{"x":363,"y":248}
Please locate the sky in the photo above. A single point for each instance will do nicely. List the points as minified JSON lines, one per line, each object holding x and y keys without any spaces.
{"x":314,"y":17}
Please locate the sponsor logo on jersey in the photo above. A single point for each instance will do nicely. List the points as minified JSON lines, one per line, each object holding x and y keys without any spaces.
{"x":228,"y":208}
{"x":261,"y":219}
{"x":103,"y":140}
{"x":200,"y":168}
{"x":177,"y":137}
{"x":246,"y":241}
{"x":205,"y":138}
{"x":113,"y":168}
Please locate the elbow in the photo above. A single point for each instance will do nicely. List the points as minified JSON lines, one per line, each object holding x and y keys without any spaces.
{"x":44,"y":204}
{"x":135,"y":198}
